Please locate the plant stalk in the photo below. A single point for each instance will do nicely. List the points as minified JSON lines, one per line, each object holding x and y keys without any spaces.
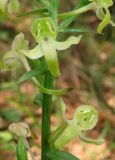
{"x":46,"y":111}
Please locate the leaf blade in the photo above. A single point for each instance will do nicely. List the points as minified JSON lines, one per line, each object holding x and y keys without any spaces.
{"x":55,"y":154}
{"x":69,"y":20}
{"x":34,"y":12}
{"x":30,"y":74}
{"x":54,"y":10}
{"x":21,"y":150}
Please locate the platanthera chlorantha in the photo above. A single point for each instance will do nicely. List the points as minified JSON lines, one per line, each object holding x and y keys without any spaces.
{"x":44,"y":32}
{"x":21,"y":131}
{"x":19,"y":46}
{"x":103,"y":13}
{"x":84,"y":119}
{"x":101,"y":7}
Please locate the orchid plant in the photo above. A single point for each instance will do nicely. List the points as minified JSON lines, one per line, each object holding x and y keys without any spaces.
{"x":45,"y":31}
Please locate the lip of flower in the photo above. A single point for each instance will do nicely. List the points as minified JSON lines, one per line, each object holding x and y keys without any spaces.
{"x":45,"y":33}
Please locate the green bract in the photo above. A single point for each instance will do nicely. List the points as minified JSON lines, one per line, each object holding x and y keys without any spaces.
{"x":103,"y":13}
{"x":44,"y":32}
{"x":85,"y":118}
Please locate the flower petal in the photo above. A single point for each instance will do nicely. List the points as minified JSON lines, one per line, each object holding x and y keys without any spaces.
{"x":112,"y":23}
{"x":97,"y":141}
{"x":104,"y":22}
{"x":32,"y":54}
{"x":49,"y":51}
{"x":69,"y":42}
{"x":19,"y":43}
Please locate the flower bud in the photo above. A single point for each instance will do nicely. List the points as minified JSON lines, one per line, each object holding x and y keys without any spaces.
{"x":20,"y":129}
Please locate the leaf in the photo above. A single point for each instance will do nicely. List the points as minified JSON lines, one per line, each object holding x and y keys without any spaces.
{"x":55,"y":154}
{"x":45,"y":2}
{"x":21,"y":149}
{"x":11,"y":115}
{"x":71,"y":30}
{"x":30,"y":74}
{"x":69,"y":20}
{"x":34,"y":12}
{"x":54,"y":10}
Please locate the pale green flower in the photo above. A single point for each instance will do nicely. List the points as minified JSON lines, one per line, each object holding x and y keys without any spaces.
{"x":44,"y":32}
{"x":20,"y":44}
{"x":102,"y":10}
{"x":103,"y":13}
{"x":85,"y":118}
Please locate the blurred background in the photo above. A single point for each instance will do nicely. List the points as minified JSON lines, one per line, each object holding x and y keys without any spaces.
{"x":88,"y":67}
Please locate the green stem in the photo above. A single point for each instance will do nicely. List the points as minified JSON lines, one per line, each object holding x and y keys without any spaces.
{"x":79,"y":11}
{"x":46,"y":110}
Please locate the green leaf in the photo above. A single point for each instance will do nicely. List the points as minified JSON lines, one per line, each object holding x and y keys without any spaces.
{"x":69,"y":20}
{"x":45,"y":2}
{"x":55,"y":154}
{"x":21,"y":149}
{"x":11,"y":115}
{"x":30,"y":74}
{"x":34,"y":12}
{"x":72,"y":30}
{"x":54,"y":10}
